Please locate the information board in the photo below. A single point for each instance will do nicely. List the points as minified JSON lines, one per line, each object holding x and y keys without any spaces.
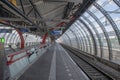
{"x":5,"y":30}
{"x":56,"y":32}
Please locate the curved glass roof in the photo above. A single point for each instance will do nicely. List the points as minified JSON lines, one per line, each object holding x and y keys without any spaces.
{"x":97,"y":29}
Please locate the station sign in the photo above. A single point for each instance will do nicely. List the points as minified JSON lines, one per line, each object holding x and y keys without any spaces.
{"x":5,"y":30}
{"x":56,"y":32}
{"x":23,"y":30}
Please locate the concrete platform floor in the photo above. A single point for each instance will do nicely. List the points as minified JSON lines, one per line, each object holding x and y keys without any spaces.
{"x":55,"y":64}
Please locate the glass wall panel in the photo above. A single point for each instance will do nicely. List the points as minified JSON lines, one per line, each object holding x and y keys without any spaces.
{"x":108,"y":28}
{"x":85,"y":32}
{"x":85,"y":36}
{"x":95,"y":35}
{"x":102,"y":15}
{"x":70,"y":41}
{"x":73,"y":27}
{"x":80,"y":37}
{"x":64,"y":40}
{"x":89,"y":38}
{"x":114,"y":11}
{"x":73,"y":38}
{"x":102,"y":35}
{"x":67,"y":40}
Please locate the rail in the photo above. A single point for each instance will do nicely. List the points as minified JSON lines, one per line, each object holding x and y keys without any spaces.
{"x":91,"y":66}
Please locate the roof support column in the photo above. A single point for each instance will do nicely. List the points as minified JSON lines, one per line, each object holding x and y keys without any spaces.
{"x":44,"y":38}
{"x":21,"y":38}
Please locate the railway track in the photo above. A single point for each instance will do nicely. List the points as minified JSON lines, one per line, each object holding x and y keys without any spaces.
{"x":84,"y":63}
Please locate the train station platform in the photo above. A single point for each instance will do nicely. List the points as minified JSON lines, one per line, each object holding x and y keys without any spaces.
{"x":54,"y":64}
{"x":60,"y":40}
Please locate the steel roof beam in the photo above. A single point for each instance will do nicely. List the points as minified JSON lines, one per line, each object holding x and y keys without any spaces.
{"x":33,"y":19}
{"x":35,"y":8}
{"x":6,"y":2}
{"x":80,"y":11}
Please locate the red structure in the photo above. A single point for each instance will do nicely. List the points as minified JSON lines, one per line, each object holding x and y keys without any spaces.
{"x":46,"y":34}
{"x":59,"y":25}
{"x":44,"y":38}
{"x":21,"y":38}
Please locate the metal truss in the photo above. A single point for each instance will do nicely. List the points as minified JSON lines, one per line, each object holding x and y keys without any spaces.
{"x":6,"y":2}
{"x":25,"y":14}
{"x":21,"y":3}
{"x":117,"y":2}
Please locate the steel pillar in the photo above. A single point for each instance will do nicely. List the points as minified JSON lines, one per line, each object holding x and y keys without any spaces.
{"x":44,"y":38}
{"x":21,"y":38}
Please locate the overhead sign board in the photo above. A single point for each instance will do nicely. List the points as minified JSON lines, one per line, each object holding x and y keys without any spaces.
{"x":23,"y":30}
{"x":56,"y":32}
{"x":5,"y":30}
